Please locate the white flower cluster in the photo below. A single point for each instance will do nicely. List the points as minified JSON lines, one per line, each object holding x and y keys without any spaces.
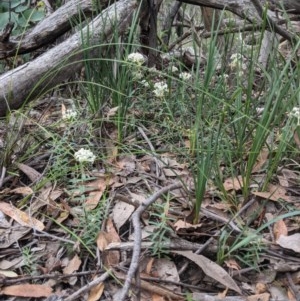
{"x":145,"y":83}
{"x":174,"y":69}
{"x":136,"y":58}
{"x":237,"y":61}
{"x":160,"y":89}
{"x":69,"y":114}
{"x":137,"y":75}
{"x":185,"y":76}
{"x":84,"y":155}
{"x":295,"y":113}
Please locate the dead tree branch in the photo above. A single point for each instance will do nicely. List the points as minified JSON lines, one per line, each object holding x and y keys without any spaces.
{"x":61,"y":62}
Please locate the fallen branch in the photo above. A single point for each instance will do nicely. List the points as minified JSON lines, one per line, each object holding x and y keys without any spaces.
{"x":88,"y":287}
{"x":51,"y":69}
{"x":138,"y":236}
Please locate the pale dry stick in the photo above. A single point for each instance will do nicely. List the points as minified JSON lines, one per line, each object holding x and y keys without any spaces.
{"x":87,"y":287}
{"x":2,"y":176}
{"x":39,"y":233}
{"x":138,"y":236}
{"x":151,"y":147}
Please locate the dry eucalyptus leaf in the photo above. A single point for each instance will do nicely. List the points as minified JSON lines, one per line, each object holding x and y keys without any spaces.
{"x":279,"y":229}
{"x":21,"y":217}
{"x":121,"y":213}
{"x":26,"y":190}
{"x":27,"y":290}
{"x":30,"y":172}
{"x":73,"y":265}
{"x":291,"y":242}
{"x":211,"y":269}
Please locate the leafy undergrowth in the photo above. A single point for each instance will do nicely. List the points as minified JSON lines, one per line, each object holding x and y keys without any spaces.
{"x":76,"y":168}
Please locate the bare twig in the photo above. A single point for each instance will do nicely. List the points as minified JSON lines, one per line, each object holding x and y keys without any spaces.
{"x":272,"y":24}
{"x":151,"y":147}
{"x":87,"y":287}
{"x":7,"y":281}
{"x":2,"y":176}
{"x":138,"y":236}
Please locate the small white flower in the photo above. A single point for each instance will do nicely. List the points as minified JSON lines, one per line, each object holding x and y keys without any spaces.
{"x":236,"y":56}
{"x":160,"y":89}
{"x":145,"y":83}
{"x":69,"y":114}
{"x":137,"y":75}
{"x":244,"y":66}
{"x":84,"y":155}
{"x":185,"y":76}
{"x":152,"y":70}
{"x":136,"y":58}
{"x":236,"y":59}
{"x":295,"y":113}
{"x":260,"y":110}
{"x":174,"y":69}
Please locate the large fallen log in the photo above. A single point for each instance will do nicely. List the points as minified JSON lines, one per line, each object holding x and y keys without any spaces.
{"x":47,"y":30}
{"x":61,"y":62}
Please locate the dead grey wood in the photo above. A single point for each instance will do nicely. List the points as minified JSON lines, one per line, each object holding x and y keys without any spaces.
{"x":61,"y":62}
{"x":244,"y":8}
{"x":48,"y":30}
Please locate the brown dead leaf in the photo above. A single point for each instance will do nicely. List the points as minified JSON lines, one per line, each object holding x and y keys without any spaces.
{"x":156,"y":297}
{"x":121,"y":213}
{"x":291,"y":295}
{"x":259,"y":297}
{"x":182,"y":225}
{"x":12,"y":235}
{"x":291,"y":242}
{"x":102,"y":240}
{"x":112,"y":112}
{"x":232,"y":264}
{"x":23,"y":190}
{"x":288,"y":178}
{"x":21,"y":217}
{"x":30,"y":172}
{"x":73,"y":265}
{"x":260,"y":288}
{"x":274,"y":193}
{"x":63,"y":110}
{"x":296,"y":138}
{"x":211,"y":269}
{"x":47,"y":194}
{"x":8,"y":274}
{"x":96,"y":189}
{"x":261,"y":160}
{"x":110,"y":258}
{"x":279,"y":228}
{"x":233,"y":183}
{"x":96,"y":292}
{"x":126,"y":165}
{"x":149,"y":265}
{"x":27,"y":290}
{"x":166,"y":269}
